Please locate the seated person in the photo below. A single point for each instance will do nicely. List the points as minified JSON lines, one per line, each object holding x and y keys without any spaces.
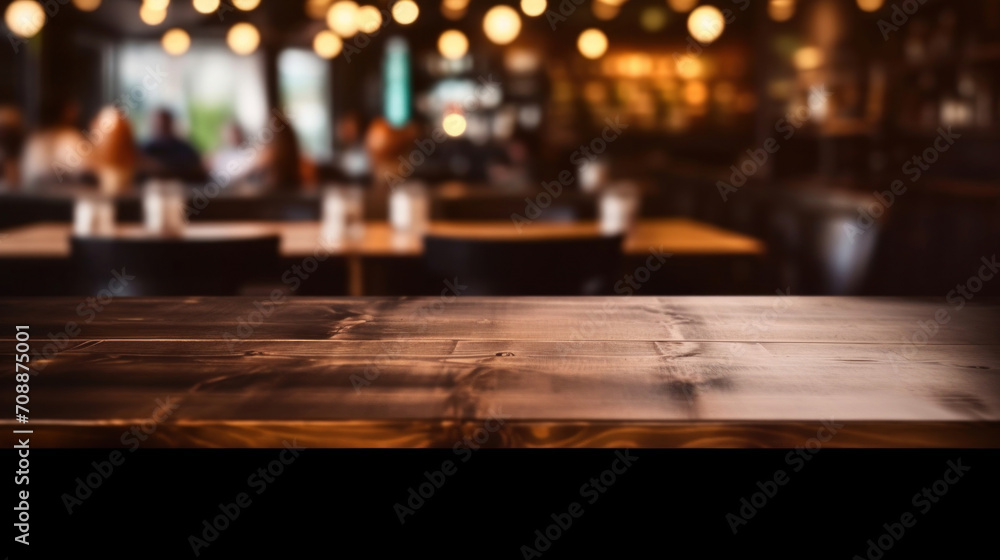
{"x":55,"y":154}
{"x":167,"y":155}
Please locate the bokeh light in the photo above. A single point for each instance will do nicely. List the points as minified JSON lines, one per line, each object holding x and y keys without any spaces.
{"x":405,"y":12}
{"x":454,"y":124}
{"x":151,"y":15}
{"x":592,"y":43}
{"x":176,"y":41}
{"x":706,"y":24}
{"x":502,"y":24}
{"x":206,"y":6}
{"x":533,"y":8}
{"x":452,"y":44}
{"x":88,"y":5}
{"x":243,"y":38}
{"x":342,"y":18}
{"x":327,"y":44}
{"x":246,"y":5}
{"x":24,"y":18}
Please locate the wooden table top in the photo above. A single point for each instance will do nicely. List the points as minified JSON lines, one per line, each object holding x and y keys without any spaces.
{"x":573,"y":372}
{"x":679,"y":236}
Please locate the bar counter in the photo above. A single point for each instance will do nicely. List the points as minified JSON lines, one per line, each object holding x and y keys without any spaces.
{"x":554,"y":372}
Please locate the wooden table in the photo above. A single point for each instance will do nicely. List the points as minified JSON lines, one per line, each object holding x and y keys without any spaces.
{"x":573,"y":372}
{"x":301,"y":239}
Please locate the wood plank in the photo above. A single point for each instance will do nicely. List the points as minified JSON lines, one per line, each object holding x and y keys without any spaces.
{"x":378,"y":372}
{"x":714,"y":319}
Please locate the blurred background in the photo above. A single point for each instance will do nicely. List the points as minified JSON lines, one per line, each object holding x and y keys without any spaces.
{"x":745,"y":146}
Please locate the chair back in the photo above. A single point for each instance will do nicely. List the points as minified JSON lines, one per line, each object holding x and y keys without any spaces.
{"x":171,"y":267}
{"x":571,"y":266}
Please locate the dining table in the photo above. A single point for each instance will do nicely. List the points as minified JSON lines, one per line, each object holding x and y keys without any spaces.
{"x":596,"y":372}
{"x":303,"y":239}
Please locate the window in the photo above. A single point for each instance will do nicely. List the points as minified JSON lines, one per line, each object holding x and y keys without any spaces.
{"x":304,"y":84}
{"x":205,"y":88}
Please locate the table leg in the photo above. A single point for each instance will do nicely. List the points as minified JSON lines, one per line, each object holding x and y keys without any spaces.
{"x":355,"y":276}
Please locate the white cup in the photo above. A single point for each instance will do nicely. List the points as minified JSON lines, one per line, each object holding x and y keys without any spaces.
{"x":619,"y":207}
{"x":93,"y":215}
{"x":409,"y":208}
{"x":163,"y":207}
{"x":343,"y":213}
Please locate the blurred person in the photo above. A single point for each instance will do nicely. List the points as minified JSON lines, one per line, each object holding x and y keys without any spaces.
{"x":114,"y":155}
{"x":510,"y":168}
{"x":11,"y":146}
{"x":167,"y":155}
{"x":58,"y":151}
{"x":279,"y":165}
{"x":234,"y":160}
{"x":352,"y":159}
{"x":386,"y":145}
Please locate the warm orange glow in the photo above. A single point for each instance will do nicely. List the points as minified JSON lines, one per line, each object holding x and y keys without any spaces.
{"x":706,"y":24}
{"x":206,"y":6}
{"x":327,"y":44}
{"x":689,"y":68}
{"x":368,"y":19}
{"x":246,"y":5}
{"x":152,"y":16}
{"x":781,"y":10}
{"x":24,"y":18}
{"x":808,"y":58}
{"x":452,"y":44}
{"x":682,"y":6}
{"x":176,"y":42}
{"x":696,"y":93}
{"x":342,"y":18}
{"x":533,"y":8}
{"x":454,"y":124}
{"x":870,"y":5}
{"x":89,"y":5}
{"x":502,"y":24}
{"x":592,"y":43}
{"x":243,"y":38}
{"x":605,"y":11}
{"x":405,"y":12}
{"x":316,"y":9}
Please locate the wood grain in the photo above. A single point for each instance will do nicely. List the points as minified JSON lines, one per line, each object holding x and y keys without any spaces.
{"x":568,"y":372}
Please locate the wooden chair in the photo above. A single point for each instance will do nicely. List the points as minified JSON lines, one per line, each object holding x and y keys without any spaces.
{"x":571,"y":266}
{"x":171,"y":267}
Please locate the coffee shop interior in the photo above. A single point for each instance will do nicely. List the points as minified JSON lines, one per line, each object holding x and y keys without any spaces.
{"x":573,"y":147}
